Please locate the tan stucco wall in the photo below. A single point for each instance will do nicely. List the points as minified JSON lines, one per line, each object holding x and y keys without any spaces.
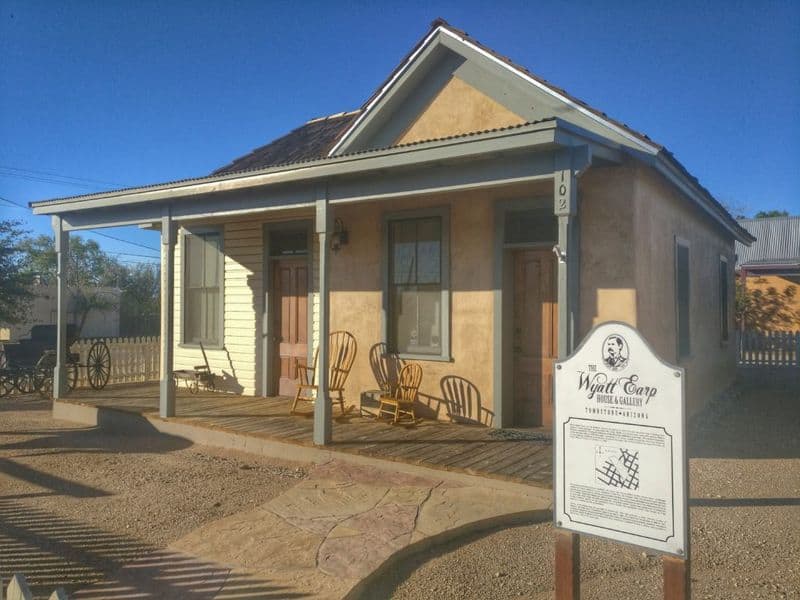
{"x":458,"y":108}
{"x":764,"y":282}
{"x":629,"y":220}
{"x":608,"y":286}
{"x":661,"y":214}
{"x":356,"y":292}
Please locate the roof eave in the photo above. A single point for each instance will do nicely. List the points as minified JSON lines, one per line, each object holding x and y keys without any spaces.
{"x":533,"y":135}
{"x":678,"y":176}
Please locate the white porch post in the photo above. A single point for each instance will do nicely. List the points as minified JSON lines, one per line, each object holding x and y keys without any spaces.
{"x":322,"y":406}
{"x":62,"y":268}
{"x":566,"y":209}
{"x":167,"y":390}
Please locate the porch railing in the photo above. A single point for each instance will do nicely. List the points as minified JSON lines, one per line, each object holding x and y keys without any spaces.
{"x":133,"y":359}
{"x":768,"y":348}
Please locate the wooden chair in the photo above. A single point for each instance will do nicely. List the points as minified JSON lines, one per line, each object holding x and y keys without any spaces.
{"x":401,"y":400}
{"x":342,"y":349}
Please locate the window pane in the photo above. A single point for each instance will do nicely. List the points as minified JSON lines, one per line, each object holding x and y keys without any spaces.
{"x":403,"y":236}
{"x":193,"y":305}
{"x":417,"y":319}
{"x":530,"y":226}
{"x":211,"y":306}
{"x":429,"y":243}
{"x":211,"y":260}
{"x":194,"y":261}
{"x":288,"y":243}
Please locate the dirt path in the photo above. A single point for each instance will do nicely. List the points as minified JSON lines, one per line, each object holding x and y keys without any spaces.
{"x":76,"y":501}
{"x":745,"y":522}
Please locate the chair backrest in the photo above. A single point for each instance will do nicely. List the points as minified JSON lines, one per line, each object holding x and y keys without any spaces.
{"x":385,"y":366}
{"x":342,"y":349}
{"x":409,"y":382}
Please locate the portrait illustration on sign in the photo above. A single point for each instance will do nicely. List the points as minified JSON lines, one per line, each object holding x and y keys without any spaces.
{"x":615,"y":352}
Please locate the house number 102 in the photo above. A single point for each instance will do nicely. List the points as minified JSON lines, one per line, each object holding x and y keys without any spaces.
{"x":563,"y":193}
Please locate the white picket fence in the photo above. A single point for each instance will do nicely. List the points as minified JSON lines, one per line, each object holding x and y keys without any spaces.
{"x":769,"y":348}
{"x":134,"y":359}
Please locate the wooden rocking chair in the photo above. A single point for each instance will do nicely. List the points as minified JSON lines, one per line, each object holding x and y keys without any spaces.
{"x":342,"y":350}
{"x":401,"y":400}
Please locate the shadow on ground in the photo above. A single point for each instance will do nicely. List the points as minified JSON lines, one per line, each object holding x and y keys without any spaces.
{"x":53,"y":551}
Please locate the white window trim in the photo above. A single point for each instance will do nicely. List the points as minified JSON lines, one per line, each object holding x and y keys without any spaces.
{"x":184,"y":233}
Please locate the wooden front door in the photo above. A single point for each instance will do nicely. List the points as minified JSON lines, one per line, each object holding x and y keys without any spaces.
{"x":535,"y":336}
{"x":290,"y":308}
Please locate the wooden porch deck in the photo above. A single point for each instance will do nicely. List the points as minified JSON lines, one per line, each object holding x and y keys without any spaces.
{"x":521,"y":456}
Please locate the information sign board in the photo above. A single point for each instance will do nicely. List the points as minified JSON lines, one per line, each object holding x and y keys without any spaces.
{"x":619,"y":442}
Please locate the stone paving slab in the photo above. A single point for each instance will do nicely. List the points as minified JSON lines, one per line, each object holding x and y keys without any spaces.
{"x":322,"y":537}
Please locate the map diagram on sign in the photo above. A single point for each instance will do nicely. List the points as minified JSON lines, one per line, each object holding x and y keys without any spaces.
{"x":617,"y":467}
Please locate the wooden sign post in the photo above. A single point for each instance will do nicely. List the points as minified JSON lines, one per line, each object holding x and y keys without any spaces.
{"x":619,"y":455}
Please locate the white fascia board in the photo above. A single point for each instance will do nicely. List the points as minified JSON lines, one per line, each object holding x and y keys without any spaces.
{"x":548,"y":90}
{"x":667,"y":168}
{"x":387,"y":86}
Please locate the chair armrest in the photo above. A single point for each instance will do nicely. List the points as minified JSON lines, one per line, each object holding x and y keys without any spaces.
{"x":305,"y":374}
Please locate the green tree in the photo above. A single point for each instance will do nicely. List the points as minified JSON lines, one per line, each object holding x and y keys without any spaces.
{"x":15,"y":280}
{"x":765,"y":310}
{"x":88,"y":269}
{"x":140,"y":301}
{"x":766,"y":214}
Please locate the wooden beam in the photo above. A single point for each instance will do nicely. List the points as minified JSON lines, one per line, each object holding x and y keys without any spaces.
{"x":568,"y":566}
{"x":322,"y":406}
{"x":677,"y":582}
{"x":167,"y":389}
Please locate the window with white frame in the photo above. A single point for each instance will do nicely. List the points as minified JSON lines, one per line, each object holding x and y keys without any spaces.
{"x":202,"y":297}
{"x":417,"y":315}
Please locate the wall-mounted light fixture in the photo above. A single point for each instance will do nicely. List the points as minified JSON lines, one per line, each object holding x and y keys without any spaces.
{"x":339,"y":236}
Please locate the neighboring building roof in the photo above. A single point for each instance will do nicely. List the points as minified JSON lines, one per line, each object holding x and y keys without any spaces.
{"x":778,"y":242}
{"x":309,"y":141}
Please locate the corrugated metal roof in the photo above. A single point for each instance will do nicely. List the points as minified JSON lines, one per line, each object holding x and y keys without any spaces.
{"x":777,"y":241}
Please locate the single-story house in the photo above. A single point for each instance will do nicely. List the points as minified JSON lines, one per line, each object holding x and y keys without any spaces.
{"x":773,"y":261}
{"x":469,"y":215}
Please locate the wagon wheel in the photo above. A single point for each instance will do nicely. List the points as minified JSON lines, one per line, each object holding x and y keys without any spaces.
{"x":98,"y":365}
{"x":25,"y":382}
{"x":6,"y":383}
{"x":44,"y":380}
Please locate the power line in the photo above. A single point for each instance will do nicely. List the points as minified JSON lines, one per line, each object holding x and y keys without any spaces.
{"x":94,"y":231}
{"x":111,"y":237}
{"x":51,"y":173}
{"x":85,"y":186}
{"x":131,"y":254}
{"x":17,"y":204}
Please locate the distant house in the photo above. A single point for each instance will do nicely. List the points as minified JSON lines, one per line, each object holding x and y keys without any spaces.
{"x":99,"y":323}
{"x":470,"y":216}
{"x":773,"y":261}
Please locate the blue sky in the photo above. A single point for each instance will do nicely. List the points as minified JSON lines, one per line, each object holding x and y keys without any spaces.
{"x":125,"y":93}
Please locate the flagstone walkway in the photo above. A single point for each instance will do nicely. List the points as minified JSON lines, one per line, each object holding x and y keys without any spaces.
{"x":322,"y":537}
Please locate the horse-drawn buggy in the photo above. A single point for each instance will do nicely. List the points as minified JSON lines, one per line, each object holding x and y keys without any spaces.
{"x":27,"y":366}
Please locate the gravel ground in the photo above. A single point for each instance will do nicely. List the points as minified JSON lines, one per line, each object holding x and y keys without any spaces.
{"x":745,"y":526}
{"x":75,"y":501}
